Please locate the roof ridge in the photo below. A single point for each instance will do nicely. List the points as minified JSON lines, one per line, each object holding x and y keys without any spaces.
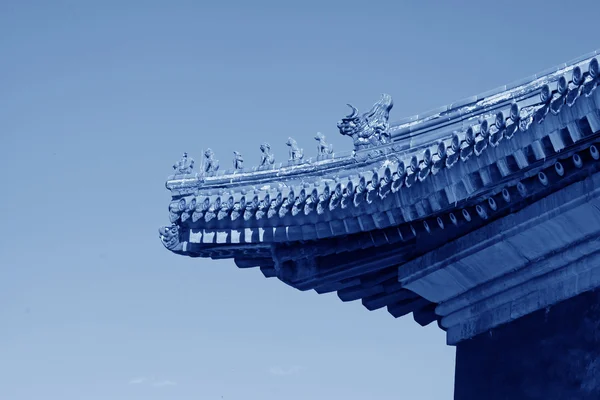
{"x":417,"y":119}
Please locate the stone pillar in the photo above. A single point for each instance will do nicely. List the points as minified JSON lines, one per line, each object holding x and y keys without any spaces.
{"x":549,"y":354}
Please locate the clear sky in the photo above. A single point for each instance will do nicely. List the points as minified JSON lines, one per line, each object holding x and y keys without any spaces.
{"x":98,"y":99}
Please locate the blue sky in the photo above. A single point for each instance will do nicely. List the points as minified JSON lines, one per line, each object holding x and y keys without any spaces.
{"x":99,"y":98}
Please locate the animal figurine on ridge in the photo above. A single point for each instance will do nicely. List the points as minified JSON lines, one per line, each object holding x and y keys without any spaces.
{"x":267,"y":158}
{"x":371,"y":128}
{"x":238,"y":161}
{"x":323,"y":148}
{"x":296,"y":153}
{"x":210,"y":164}
{"x":185,"y":165}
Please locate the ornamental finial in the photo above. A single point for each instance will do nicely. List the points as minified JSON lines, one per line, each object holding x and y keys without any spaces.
{"x":185,"y":165}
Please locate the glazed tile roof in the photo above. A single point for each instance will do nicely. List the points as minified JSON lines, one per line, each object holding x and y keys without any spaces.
{"x":423,"y":149}
{"x":443,"y":168}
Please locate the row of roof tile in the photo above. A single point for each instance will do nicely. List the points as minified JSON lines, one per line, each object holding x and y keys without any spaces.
{"x":392,"y":175}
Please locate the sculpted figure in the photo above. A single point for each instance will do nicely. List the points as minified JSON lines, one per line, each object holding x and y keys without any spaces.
{"x":371,"y":128}
{"x":169,"y":236}
{"x":211,"y":165}
{"x":323,"y":148}
{"x":185,"y":165}
{"x":267,"y":158}
{"x":238,"y":161}
{"x":296,"y":153}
